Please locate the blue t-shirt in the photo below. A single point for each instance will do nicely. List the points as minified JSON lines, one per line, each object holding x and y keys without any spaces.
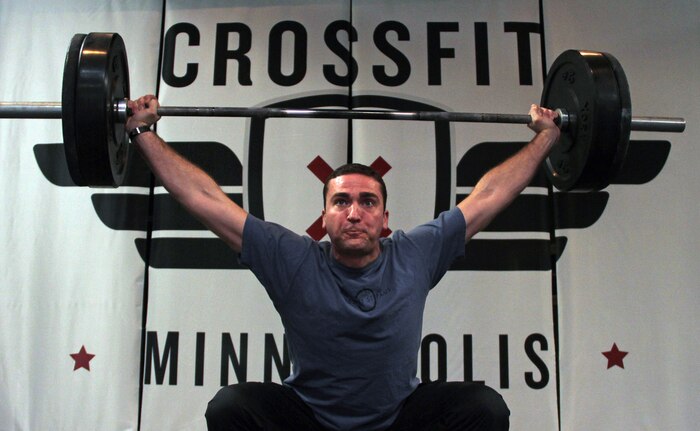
{"x":353,"y":334}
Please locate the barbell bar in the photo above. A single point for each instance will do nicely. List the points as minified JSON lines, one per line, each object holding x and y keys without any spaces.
{"x":589,"y":90}
{"x":53,"y":110}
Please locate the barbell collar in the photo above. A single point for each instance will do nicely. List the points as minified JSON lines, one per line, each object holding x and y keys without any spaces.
{"x":563,"y":119}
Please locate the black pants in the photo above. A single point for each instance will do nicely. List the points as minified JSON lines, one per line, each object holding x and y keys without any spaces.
{"x":432,"y":406}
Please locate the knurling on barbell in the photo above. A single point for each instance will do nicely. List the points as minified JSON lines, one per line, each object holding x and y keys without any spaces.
{"x":588,"y":88}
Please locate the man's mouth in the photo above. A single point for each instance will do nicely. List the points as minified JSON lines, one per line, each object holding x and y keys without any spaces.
{"x":354,"y":232}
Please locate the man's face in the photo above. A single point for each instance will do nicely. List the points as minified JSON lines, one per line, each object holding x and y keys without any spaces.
{"x":354,"y":217}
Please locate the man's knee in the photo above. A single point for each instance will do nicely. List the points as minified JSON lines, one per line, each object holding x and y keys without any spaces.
{"x":229,"y":403}
{"x":493,"y":403}
{"x":484,"y":404}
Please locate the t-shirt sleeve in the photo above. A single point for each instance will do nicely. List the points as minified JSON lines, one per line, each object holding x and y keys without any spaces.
{"x":273,"y":253}
{"x":441,"y":241}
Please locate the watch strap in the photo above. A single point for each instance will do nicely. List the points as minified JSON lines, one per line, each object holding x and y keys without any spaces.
{"x":138,"y":130}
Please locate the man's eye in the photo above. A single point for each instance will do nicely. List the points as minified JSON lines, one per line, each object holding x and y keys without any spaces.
{"x":341,"y":202}
{"x":370,"y":203}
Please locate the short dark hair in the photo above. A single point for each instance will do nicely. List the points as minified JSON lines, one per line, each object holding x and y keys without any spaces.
{"x":355,"y":168}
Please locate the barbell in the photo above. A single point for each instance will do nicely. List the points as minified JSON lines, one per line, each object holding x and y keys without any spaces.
{"x":589,"y":90}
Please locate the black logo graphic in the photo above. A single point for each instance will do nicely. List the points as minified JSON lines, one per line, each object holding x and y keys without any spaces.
{"x":539,"y":213}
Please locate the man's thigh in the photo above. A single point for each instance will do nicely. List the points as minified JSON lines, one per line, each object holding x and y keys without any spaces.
{"x":259,"y":406}
{"x":453,"y":406}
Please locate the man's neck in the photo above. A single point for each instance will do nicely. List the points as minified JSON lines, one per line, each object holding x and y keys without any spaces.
{"x":356,"y":261}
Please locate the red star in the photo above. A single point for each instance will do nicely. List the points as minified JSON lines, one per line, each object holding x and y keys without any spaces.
{"x":82,"y":359}
{"x":615,"y":357}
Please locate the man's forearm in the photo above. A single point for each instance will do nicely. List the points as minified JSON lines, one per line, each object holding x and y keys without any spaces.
{"x":502,"y":184}
{"x":179,"y":176}
{"x":193,"y":188}
{"x":508,"y":179}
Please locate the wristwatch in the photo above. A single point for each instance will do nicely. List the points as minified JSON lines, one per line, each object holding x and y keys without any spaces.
{"x":138,"y":130}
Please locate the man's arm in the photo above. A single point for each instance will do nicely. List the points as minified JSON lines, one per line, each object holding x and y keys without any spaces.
{"x":187,"y":183}
{"x":502,"y":184}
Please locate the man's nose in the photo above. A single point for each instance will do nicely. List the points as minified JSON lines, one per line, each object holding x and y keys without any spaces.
{"x":353,"y":212}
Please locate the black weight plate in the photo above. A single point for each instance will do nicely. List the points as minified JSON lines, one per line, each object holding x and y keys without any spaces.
{"x":625,"y":116}
{"x":70,"y":72}
{"x":102,"y":80}
{"x":585,"y":84}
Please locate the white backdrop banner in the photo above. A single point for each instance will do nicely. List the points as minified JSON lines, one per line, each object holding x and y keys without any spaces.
{"x":628,"y":286}
{"x":71,"y":286}
{"x":210,"y":323}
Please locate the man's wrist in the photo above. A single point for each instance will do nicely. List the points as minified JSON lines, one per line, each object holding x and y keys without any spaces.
{"x":549,"y":137}
{"x":133,"y":133}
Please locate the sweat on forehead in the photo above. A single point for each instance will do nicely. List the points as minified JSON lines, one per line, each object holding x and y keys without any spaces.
{"x":355,"y":168}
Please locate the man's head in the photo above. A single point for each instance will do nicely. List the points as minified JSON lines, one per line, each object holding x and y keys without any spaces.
{"x":355,"y":168}
{"x":354,"y":214}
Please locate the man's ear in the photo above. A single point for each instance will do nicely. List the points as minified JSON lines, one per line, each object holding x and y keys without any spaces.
{"x":323,"y":218}
{"x":386,"y":220}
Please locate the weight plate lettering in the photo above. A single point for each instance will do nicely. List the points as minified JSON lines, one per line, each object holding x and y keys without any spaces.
{"x":592,"y":88}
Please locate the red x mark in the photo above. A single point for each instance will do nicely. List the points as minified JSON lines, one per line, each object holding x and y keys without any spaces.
{"x":321,"y":169}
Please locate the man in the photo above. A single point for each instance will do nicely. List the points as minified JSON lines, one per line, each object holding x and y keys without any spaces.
{"x":352,"y":307}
